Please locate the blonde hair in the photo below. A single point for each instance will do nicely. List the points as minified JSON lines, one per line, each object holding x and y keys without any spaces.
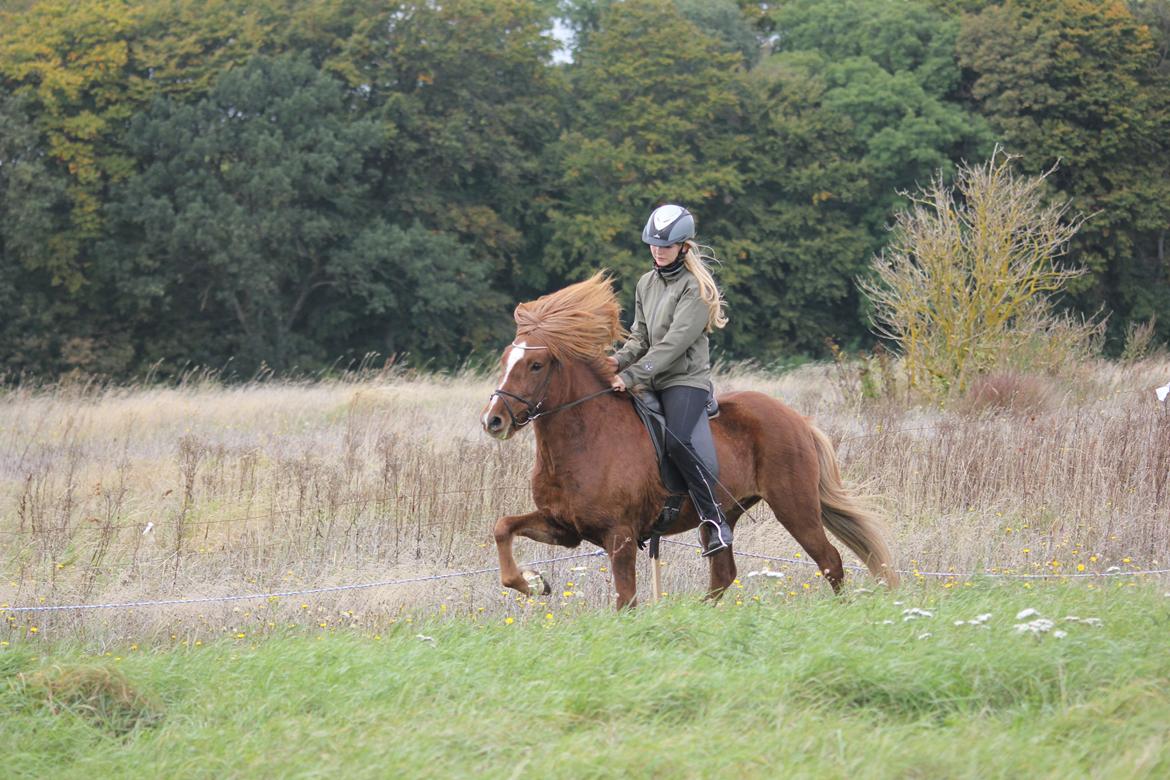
{"x":696,"y":259}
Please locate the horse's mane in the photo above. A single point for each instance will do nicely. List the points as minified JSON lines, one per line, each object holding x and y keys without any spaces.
{"x":578,"y":322}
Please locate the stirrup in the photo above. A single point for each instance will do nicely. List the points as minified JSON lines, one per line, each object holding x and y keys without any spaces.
{"x":717,"y":542}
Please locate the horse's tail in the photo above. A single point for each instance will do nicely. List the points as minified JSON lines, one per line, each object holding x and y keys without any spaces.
{"x":851,"y":518}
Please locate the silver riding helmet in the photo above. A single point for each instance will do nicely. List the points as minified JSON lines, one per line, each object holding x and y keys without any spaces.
{"x":668,"y":225}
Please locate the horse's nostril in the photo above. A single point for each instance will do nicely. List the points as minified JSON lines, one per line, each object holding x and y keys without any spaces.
{"x":495,"y":424}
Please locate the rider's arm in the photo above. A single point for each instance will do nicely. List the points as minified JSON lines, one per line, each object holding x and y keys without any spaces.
{"x":686,"y":326}
{"x":639,"y":339}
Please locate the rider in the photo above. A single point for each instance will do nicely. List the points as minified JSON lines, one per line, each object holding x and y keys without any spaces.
{"x":677,"y":304}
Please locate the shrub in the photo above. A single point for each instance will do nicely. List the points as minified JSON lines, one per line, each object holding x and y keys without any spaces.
{"x":966,"y":285}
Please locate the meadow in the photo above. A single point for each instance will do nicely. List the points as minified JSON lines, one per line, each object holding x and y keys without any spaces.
{"x":202,"y":490}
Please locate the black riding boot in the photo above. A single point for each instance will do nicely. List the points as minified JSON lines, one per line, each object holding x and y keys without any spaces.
{"x":718,"y":534}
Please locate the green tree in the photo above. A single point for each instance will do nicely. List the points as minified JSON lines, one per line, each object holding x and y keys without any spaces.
{"x":32,"y":200}
{"x":468,"y":101}
{"x":255,"y":210}
{"x":1083,"y":83}
{"x":71,"y":63}
{"x":854,"y":106}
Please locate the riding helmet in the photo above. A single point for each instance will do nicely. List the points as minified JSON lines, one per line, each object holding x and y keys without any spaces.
{"x":668,"y":225}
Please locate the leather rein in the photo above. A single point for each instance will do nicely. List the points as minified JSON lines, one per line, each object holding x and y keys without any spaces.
{"x":533,"y":411}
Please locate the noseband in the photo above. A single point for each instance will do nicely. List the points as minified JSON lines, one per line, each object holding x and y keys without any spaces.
{"x":532,"y":411}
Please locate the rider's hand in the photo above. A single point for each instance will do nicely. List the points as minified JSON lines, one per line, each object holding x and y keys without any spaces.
{"x":612,"y":360}
{"x":617,"y":384}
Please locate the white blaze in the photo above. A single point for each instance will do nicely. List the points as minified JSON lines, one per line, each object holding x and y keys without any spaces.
{"x":513,"y":358}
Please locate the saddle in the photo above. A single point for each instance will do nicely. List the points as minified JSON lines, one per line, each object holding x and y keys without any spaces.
{"x":649,"y":410}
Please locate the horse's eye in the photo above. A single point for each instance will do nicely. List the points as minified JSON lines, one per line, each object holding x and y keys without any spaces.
{"x":536,"y":366}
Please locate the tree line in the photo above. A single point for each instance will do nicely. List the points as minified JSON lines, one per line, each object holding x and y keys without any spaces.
{"x":292,"y":183}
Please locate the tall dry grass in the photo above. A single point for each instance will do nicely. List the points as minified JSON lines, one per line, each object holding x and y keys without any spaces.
{"x":121,"y":494}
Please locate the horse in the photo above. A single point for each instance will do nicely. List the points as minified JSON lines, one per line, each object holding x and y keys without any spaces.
{"x":596,"y":476}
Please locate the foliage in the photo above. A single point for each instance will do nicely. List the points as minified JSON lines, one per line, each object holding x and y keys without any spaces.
{"x":967,"y":282}
{"x":789,"y":128}
{"x":851,"y":109}
{"x":1084,"y":83}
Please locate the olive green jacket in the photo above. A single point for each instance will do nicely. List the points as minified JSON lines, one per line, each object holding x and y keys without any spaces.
{"x":668,"y":340}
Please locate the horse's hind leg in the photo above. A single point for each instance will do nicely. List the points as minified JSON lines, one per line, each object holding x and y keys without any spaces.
{"x":800,"y":512}
{"x":722,"y":563}
{"x":722,"y":571}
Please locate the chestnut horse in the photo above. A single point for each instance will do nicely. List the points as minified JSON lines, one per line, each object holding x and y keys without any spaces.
{"x":596,"y":477}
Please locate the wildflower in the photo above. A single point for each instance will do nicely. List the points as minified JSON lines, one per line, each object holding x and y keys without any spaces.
{"x":914,"y":613}
{"x":548,"y":616}
{"x":32,"y":629}
{"x":509,"y":621}
{"x":240,"y":635}
{"x":1026,"y":613}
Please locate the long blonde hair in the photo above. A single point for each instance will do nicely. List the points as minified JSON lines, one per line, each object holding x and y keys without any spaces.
{"x":696,"y":258}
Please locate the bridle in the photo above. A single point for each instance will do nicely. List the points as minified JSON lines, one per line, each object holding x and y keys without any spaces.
{"x":532,"y":411}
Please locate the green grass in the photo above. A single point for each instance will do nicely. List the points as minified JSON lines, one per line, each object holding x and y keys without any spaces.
{"x":816,"y":687}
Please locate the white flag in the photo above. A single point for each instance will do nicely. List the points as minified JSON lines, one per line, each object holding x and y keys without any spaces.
{"x":1162,"y":392}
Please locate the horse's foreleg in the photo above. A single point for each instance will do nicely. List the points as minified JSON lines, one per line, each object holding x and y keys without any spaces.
{"x":623,"y":558}
{"x":534,"y":525}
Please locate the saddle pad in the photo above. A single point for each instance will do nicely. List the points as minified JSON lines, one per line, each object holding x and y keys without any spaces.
{"x":649,"y":409}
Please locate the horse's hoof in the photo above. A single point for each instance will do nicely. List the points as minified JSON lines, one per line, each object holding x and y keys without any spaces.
{"x":537,"y":583}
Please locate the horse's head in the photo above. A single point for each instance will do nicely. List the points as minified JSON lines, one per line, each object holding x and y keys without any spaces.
{"x":526,"y":373}
{"x":576,"y":324}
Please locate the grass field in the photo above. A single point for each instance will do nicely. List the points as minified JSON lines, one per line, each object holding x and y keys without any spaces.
{"x":117,"y":494}
{"x":825,"y":687}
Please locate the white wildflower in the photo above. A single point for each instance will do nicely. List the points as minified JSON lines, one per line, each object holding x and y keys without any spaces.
{"x":1024,"y":614}
{"x":914,"y":613}
{"x":926,"y":635}
{"x":1037,"y":626}
{"x":1060,"y":634}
